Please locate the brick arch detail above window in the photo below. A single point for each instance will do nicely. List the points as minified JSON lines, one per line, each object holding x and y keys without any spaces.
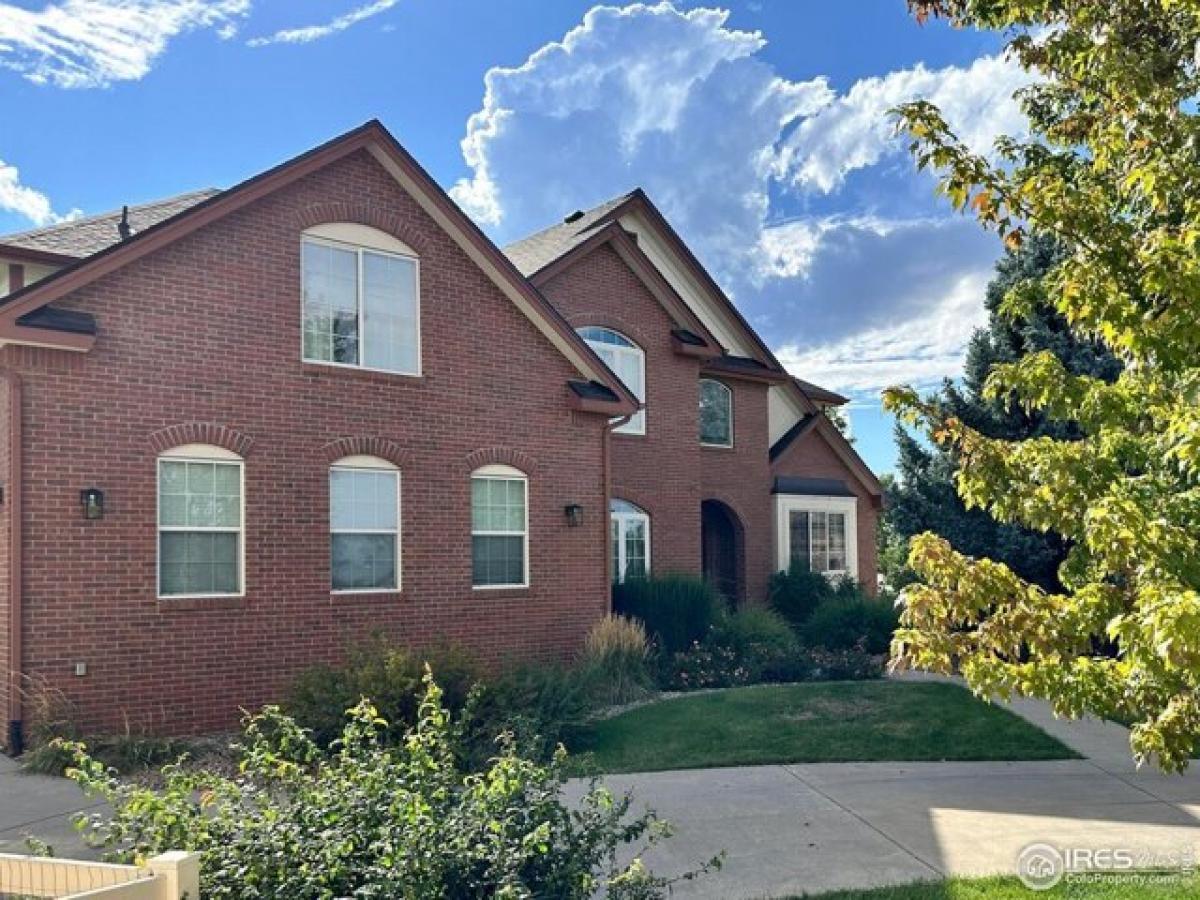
{"x":363,"y":214}
{"x":201,"y":433}
{"x":381,"y":447}
{"x":500,"y":456}
{"x":612,"y":323}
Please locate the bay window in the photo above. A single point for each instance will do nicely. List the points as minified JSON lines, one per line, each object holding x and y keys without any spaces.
{"x":817,"y":533}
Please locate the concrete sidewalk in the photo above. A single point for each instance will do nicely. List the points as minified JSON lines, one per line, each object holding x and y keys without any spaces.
{"x":41,"y":806}
{"x":791,"y":829}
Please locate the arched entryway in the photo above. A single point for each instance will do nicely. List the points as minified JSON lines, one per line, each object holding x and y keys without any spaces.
{"x":721,"y":554}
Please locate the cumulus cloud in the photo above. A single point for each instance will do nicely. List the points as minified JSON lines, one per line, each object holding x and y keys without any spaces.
{"x":857,"y":131}
{"x":18,"y":198}
{"x":94,"y":43}
{"x":309,"y":33}
{"x":798,"y":199}
{"x":642,"y":93}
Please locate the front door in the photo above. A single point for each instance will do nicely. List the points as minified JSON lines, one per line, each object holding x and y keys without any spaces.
{"x":719,"y":539}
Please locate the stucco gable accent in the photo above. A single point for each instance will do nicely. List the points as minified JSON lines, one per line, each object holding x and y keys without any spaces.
{"x":501,"y":456}
{"x":366,"y":446}
{"x":201,"y":433}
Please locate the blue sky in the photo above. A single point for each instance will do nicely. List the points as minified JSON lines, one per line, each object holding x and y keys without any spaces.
{"x":758,"y":126}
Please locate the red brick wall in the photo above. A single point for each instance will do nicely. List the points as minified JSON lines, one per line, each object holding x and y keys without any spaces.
{"x":5,"y":513}
{"x":666,"y":471}
{"x":739,"y":477}
{"x":660,"y":470}
{"x":811,"y":457}
{"x":208,"y":330}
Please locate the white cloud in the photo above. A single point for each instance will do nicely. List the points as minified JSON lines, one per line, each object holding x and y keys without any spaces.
{"x":919,"y":351}
{"x":628,"y":85}
{"x":310,"y":33}
{"x":800,"y":201}
{"x":857,"y":130}
{"x":93,"y":43}
{"x":25,"y":201}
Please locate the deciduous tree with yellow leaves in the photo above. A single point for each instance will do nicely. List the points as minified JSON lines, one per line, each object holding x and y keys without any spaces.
{"x":1111,"y":168}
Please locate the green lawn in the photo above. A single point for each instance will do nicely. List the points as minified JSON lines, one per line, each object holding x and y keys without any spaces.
{"x":848,"y":721}
{"x":1011,"y":889}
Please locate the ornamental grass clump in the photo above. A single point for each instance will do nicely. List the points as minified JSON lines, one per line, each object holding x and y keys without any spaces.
{"x":615,"y":661}
{"x":373,"y":819}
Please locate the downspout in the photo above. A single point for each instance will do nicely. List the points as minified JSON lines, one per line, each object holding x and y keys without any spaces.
{"x":16,"y":731}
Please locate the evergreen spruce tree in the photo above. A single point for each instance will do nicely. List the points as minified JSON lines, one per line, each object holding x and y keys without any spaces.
{"x":924,"y":497}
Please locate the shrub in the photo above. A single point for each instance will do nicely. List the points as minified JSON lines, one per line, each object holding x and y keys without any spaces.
{"x":763,"y":644}
{"x":532,"y":702}
{"x":705,"y":665}
{"x":676,"y":610}
{"x":841,"y":624}
{"x":796,"y":593}
{"x":386,"y":674}
{"x":376,"y":819}
{"x":854,"y":664}
{"x":615,"y":661}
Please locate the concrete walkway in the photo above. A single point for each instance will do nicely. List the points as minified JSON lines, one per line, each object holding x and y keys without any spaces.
{"x":791,"y":829}
{"x":41,"y":806}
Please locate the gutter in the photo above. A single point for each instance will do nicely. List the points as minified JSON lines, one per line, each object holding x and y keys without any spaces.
{"x":15,"y":741}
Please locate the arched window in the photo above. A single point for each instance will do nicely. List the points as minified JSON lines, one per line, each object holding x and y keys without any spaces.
{"x":630,"y":532}
{"x":364,"y":525}
{"x":361,"y":290}
{"x":628,"y":362}
{"x":200,"y":512}
{"x":716,"y":414}
{"x":499,"y":527}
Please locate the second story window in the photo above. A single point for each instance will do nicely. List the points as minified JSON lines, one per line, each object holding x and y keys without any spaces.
{"x":716,"y":414}
{"x":628,"y":362}
{"x":361,"y":300}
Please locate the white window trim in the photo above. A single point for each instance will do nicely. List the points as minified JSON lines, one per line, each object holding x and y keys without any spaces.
{"x":786,"y":504}
{"x":313,"y":236}
{"x":369,"y":464}
{"x":205,"y":453}
{"x":503,"y":473}
{"x":623,"y":519}
{"x":729,"y":393}
{"x":636,"y":425}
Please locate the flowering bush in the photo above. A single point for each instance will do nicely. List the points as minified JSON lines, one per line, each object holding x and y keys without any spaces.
{"x":373,"y":819}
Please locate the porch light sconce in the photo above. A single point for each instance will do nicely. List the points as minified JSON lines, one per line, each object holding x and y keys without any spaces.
{"x":574,"y":514}
{"x":92,"y":501}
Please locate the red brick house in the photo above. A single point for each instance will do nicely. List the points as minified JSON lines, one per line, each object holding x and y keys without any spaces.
{"x":242,"y":428}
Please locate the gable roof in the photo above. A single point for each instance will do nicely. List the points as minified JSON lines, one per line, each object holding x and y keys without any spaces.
{"x":819,"y":395}
{"x":386,"y":150}
{"x":693,"y":336}
{"x":819,"y":423}
{"x":78,"y":238}
{"x":540,"y":249}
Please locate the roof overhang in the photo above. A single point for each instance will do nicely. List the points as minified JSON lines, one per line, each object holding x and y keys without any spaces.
{"x":29,"y":255}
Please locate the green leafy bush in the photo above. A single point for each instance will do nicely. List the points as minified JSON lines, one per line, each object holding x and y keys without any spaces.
{"x":841,"y":624}
{"x":853,"y":664}
{"x":676,"y":610}
{"x":615,"y":661}
{"x":376,"y":819}
{"x":388,"y":675}
{"x":763,"y":644}
{"x":705,"y":665}
{"x":796,"y":593}
{"x":534,"y":702}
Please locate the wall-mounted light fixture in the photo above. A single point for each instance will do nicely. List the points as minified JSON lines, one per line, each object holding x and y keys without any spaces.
{"x":92,"y":501}
{"x":574,"y":514}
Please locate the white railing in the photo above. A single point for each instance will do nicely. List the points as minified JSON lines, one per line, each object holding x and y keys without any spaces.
{"x":170,"y":876}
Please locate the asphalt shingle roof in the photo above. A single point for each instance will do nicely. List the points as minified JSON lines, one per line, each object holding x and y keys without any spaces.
{"x":539,"y":250}
{"x":91,"y":234}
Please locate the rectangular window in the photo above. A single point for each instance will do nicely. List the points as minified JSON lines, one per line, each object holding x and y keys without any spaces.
{"x":817,"y":540}
{"x":199,"y":528}
{"x":364,"y":524}
{"x":499,"y":531}
{"x":360,"y":308}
